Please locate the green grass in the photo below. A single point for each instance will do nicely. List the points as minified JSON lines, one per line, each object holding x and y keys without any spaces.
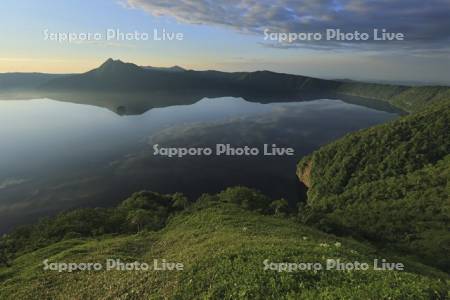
{"x":222,"y":248}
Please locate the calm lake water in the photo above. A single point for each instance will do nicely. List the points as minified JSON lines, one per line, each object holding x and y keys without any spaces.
{"x":59,"y":155}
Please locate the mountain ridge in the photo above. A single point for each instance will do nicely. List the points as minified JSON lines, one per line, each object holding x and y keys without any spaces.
{"x":120,"y":78}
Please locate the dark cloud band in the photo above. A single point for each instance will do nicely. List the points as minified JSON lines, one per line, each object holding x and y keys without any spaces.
{"x":426,"y":24}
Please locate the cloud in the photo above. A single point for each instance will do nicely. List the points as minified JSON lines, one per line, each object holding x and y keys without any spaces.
{"x":426,"y":24}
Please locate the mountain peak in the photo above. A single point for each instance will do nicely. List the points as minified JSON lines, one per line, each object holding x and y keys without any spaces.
{"x":111,"y":61}
{"x":116,"y":66}
{"x":178,"y":68}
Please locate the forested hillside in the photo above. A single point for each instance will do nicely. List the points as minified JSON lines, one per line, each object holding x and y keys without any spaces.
{"x":410,"y":99}
{"x":388,"y":184}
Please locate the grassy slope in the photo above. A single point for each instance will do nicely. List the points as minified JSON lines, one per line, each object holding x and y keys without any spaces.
{"x":388,"y":183}
{"x":223,"y":248}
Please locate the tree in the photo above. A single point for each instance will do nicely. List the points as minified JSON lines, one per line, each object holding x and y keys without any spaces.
{"x":280,"y":207}
{"x":180,"y":201}
{"x":246,"y":198}
{"x":4,"y":253}
{"x":140,"y":218}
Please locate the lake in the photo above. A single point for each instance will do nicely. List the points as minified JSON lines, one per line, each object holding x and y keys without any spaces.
{"x":57,"y":155}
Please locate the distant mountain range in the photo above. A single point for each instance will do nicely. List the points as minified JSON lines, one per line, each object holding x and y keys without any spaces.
{"x":115,"y":75}
{"x":113,"y":81}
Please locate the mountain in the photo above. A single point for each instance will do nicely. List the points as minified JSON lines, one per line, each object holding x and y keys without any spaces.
{"x":387,"y":184}
{"x":115,"y":75}
{"x":170,"y":69}
{"x":229,"y":245}
{"x":111,"y":75}
{"x":115,"y":81}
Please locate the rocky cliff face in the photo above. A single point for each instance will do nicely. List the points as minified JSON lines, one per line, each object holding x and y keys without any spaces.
{"x":304,"y":173}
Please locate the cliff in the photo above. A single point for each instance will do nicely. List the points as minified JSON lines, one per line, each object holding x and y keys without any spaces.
{"x":304,"y":172}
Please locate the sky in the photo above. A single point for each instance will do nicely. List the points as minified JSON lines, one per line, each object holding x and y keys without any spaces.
{"x":232,"y":35}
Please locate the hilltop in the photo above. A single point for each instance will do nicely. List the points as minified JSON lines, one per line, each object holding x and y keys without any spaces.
{"x":225,"y":245}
